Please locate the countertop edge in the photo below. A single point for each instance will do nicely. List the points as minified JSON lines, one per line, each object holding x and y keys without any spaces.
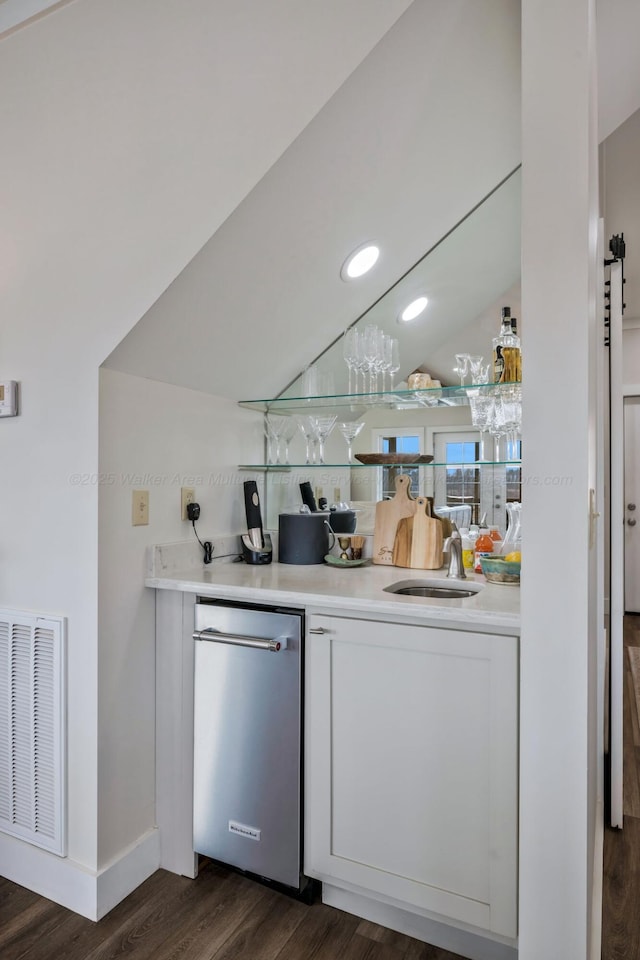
{"x":408,"y":607}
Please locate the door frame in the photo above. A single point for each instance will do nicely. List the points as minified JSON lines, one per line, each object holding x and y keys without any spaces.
{"x":630,"y":390}
{"x":616,"y":550}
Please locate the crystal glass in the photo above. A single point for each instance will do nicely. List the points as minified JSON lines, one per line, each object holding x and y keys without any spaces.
{"x":481,"y":417}
{"x":310,"y":381}
{"x":350,"y":355}
{"x":512,"y":413}
{"x":324,"y":426}
{"x":361,"y":364}
{"x":462,"y":366}
{"x":392,"y":358}
{"x":478,"y":372}
{"x":308,"y":428}
{"x":384,"y":358}
{"x":371,"y":352}
{"x":274,"y":427}
{"x":350,"y":431}
{"x":288,"y":433}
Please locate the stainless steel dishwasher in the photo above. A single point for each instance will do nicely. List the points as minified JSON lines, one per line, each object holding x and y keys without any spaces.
{"x":247,"y":797}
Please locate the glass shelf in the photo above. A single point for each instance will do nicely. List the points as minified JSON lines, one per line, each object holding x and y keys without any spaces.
{"x":358,"y":403}
{"x":287,"y":468}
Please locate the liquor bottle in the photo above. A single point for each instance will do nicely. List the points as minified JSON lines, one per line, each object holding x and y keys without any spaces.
{"x":506,"y":352}
{"x":518,"y":370}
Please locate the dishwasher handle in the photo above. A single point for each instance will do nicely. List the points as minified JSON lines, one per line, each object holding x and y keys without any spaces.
{"x":239,"y":640}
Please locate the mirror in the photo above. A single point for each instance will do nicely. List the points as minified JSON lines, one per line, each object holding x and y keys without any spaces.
{"x":467,"y":277}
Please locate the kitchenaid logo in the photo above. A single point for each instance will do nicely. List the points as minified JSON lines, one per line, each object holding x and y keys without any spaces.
{"x":251,"y":833}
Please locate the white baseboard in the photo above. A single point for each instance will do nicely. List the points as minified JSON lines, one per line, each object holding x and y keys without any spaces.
{"x":89,"y":893}
{"x":464,"y":942}
{"x":119,"y":878}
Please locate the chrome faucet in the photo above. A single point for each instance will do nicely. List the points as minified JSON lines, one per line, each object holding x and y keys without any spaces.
{"x":456,"y":566}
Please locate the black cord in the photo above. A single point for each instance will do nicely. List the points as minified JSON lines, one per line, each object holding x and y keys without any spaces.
{"x":207,"y":546}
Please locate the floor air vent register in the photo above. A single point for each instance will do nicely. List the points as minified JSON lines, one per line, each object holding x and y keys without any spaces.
{"x":32,"y":729}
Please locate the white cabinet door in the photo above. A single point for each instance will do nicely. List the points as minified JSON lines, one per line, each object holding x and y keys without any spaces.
{"x":411,"y":766}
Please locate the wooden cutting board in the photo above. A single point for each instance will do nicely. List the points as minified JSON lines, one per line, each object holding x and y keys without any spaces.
{"x":388,"y":515}
{"x":418,"y":541}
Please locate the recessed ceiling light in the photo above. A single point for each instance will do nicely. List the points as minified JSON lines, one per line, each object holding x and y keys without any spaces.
{"x":414,"y":309}
{"x":360,"y":261}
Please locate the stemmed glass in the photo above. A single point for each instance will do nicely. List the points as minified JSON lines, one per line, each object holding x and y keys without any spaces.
{"x":371,"y":352}
{"x":361,"y":364}
{"x":288,"y":433}
{"x":497,"y":426}
{"x":350,"y":354}
{"x":350,"y":431}
{"x":308,"y":428}
{"x":477,"y":371}
{"x":462,"y":365}
{"x":274,"y":426}
{"x":481,"y":417}
{"x":324,"y":426}
{"x":512,"y":409}
{"x":390,"y":359}
{"x":392,"y":355}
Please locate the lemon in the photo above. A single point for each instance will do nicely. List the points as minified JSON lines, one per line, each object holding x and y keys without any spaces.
{"x":514,"y":557}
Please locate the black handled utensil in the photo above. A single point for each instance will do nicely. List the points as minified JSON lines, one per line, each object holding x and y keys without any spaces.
{"x":307,"y":496}
{"x":254,"y":516}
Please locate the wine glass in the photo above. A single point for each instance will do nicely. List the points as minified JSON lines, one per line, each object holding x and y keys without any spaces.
{"x":462,"y":365}
{"x":394,"y":360}
{"x":350,"y":354}
{"x":324,"y":426}
{"x":476,"y":369}
{"x":497,"y":426}
{"x":370,"y":353}
{"x":481,"y":417}
{"x":350,"y":431}
{"x":361,"y":364}
{"x":512,"y":407}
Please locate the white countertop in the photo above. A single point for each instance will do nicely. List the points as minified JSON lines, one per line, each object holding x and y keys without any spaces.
{"x":358,"y":589}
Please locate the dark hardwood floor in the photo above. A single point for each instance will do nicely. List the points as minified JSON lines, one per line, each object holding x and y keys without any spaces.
{"x":219,"y":916}
{"x":621,"y":892}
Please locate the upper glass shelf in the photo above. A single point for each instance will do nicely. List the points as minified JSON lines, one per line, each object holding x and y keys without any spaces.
{"x":450,"y":465}
{"x":359,"y":403}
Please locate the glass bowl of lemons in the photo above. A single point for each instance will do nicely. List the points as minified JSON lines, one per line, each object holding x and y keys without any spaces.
{"x":502,"y":569}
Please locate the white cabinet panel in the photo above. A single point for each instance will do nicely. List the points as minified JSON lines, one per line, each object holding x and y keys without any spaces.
{"x":411,"y":768}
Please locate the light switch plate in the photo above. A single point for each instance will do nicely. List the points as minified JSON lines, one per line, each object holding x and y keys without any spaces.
{"x":139,"y":508}
{"x":8,"y":398}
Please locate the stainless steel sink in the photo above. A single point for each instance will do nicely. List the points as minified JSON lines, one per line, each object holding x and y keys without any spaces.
{"x":440,"y":589}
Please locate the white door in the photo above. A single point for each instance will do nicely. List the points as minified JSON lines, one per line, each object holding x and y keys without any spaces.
{"x":632,"y":504}
{"x":458,"y":478}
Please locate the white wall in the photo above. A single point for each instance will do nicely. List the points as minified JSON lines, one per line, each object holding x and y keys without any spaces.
{"x":130,"y":130}
{"x":155,"y":437}
{"x":420,"y":132}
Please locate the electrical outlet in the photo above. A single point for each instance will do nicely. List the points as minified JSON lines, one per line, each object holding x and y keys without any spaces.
{"x":187,"y":496}
{"x":139,"y":508}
